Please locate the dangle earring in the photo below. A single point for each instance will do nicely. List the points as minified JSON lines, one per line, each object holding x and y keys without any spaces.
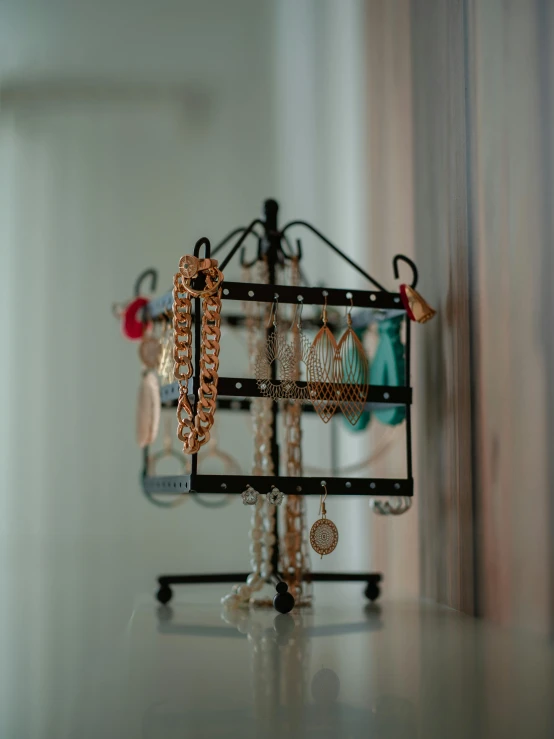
{"x":354,"y":373}
{"x":275,"y":496}
{"x":417,"y":308}
{"x":148,"y":405}
{"x":393,"y":506}
{"x":301,"y":351}
{"x":323,"y":371}
{"x":324,"y":535}
{"x":276,"y":350}
{"x":165,"y":368}
{"x":249,"y":496}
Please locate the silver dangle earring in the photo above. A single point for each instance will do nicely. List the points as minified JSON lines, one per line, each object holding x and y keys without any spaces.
{"x":275,"y":496}
{"x":249,"y":496}
{"x":276,"y":350}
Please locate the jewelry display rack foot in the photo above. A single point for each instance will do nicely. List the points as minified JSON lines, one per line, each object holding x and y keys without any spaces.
{"x":283,"y":601}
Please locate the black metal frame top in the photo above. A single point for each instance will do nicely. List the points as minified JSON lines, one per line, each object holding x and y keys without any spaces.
{"x":271,"y":249}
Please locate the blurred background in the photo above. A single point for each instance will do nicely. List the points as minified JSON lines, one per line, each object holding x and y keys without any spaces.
{"x":130,"y":129}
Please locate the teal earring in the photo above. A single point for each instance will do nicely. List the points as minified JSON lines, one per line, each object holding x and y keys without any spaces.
{"x":388,"y":366}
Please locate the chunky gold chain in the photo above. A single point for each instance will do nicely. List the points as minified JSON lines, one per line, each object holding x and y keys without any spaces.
{"x":194,"y":429}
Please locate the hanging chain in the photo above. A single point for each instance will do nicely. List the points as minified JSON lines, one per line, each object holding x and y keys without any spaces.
{"x":194,"y":428}
{"x":294,"y":553}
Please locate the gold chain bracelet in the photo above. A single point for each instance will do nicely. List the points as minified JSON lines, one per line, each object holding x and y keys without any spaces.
{"x":194,"y":429}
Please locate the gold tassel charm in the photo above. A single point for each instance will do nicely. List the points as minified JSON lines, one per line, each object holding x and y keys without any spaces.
{"x":416,"y":307}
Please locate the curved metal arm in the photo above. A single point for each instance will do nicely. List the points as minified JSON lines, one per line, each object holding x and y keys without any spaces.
{"x":204,"y":241}
{"x":228,"y":238}
{"x":153,"y":274}
{"x":402,"y":258}
{"x":335,"y":249}
{"x":237,"y":246}
{"x":287,"y":254}
{"x":244,"y":263}
{"x":291,"y":253}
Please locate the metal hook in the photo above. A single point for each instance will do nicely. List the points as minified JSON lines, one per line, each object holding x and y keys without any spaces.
{"x":153,"y":274}
{"x":408,"y":261}
{"x":203,"y":242}
{"x":297,"y":318}
{"x":244,"y":263}
{"x":273,"y":312}
{"x":324,"y":311}
{"x":322,"y":510}
{"x":349,"y":312}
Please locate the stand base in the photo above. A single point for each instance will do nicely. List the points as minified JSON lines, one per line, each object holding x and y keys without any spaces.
{"x":372,"y":580}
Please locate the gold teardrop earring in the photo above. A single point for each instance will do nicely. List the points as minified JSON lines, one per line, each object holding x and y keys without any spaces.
{"x":323,"y":370}
{"x":324,"y":535}
{"x":354,"y":373}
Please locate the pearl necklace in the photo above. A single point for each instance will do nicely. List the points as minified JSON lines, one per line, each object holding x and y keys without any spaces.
{"x":262,"y":538}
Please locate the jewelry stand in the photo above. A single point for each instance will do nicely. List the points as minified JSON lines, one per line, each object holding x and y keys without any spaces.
{"x":271,"y":243}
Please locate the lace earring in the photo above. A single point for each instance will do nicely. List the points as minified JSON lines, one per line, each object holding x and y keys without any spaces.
{"x":276,"y":350}
{"x":301,"y":351}
{"x":354,"y":373}
{"x":323,"y":371}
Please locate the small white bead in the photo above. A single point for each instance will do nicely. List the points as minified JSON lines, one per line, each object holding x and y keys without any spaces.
{"x":269,"y":538}
{"x":258,"y":586}
{"x":256,"y":547}
{"x":266,"y":570}
{"x":245,"y":592}
{"x":253,"y":579}
{"x":255,"y":564}
{"x":230,"y":601}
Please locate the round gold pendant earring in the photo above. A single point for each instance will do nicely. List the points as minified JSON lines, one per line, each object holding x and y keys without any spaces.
{"x":324,"y":535}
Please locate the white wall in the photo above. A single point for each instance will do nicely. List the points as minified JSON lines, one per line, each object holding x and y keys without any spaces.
{"x":99,"y":181}
{"x":116,"y":167}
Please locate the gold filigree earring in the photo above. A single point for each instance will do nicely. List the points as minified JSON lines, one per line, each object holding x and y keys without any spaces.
{"x":354,"y":373}
{"x":324,"y":535}
{"x":301,"y":350}
{"x":276,"y":350}
{"x":323,"y":371}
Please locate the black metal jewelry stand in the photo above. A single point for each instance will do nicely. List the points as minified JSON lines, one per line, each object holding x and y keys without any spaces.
{"x":270,"y":248}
